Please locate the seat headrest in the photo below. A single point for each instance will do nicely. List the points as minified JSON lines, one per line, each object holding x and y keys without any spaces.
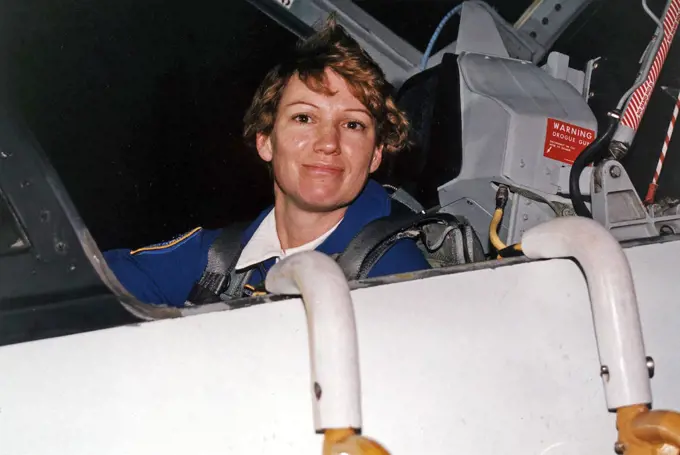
{"x":431,"y":101}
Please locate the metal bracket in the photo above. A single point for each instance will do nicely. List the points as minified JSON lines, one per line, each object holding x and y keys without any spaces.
{"x":617,"y":206}
{"x":558,"y":67}
{"x":543,"y":23}
{"x":591,"y":67}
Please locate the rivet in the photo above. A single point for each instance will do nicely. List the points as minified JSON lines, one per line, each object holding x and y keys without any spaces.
{"x":60,"y":247}
{"x":650,"y":366}
{"x":604,"y":372}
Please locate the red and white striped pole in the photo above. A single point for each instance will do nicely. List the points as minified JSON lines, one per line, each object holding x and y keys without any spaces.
{"x":637,"y":103}
{"x":651,"y":191}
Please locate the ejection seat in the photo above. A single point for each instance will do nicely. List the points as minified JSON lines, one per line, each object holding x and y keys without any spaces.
{"x":431,"y":101}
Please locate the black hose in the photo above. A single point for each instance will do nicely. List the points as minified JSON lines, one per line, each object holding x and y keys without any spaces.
{"x":589,"y":155}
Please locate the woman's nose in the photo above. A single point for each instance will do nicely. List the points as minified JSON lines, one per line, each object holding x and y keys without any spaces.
{"x":328,"y":140}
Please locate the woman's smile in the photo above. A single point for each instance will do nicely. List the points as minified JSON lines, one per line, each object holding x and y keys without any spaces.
{"x":322,"y":170}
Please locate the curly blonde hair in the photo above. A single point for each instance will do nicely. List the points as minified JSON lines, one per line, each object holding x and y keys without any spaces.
{"x":330,"y":48}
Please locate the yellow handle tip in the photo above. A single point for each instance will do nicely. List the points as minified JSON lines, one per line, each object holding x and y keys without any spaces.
{"x":351,"y":444}
{"x":357,"y":445}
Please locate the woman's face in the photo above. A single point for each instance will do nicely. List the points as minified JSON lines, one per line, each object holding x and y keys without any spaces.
{"x":322,"y":147}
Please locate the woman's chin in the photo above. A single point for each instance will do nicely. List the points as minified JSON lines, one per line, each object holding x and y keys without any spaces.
{"x":321,"y":201}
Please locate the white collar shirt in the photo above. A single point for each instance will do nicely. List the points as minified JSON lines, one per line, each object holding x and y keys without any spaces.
{"x":265,"y":244}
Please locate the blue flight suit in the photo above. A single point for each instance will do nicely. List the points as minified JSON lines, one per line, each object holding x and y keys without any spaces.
{"x":165,"y":273}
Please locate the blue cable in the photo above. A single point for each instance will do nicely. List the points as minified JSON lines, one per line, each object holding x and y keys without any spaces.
{"x":435,"y":35}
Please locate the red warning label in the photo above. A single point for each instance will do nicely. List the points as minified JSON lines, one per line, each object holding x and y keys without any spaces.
{"x":565,"y":141}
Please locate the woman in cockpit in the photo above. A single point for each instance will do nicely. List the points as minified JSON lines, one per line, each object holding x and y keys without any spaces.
{"x":322,"y":120}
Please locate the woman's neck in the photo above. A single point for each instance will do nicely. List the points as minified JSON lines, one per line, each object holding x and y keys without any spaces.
{"x":296,"y":227}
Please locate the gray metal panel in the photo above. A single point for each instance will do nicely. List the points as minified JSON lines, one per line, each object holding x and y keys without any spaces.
{"x":50,"y":288}
{"x":478,"y":32}
{"x":505,"y":108}
{"x":529,"y":95}
{"x":55,"y":263}
{"x":486,"y":126}
{"x":523,"y":215}
{"x":524,"y":88}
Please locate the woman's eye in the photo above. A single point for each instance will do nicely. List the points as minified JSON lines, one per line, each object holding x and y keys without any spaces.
{"x":302,"y":118}
{"x":354,"y":125}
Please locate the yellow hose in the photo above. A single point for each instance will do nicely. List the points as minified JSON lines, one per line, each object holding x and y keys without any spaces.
{"x":493,"y":230}
{"x":516,"y":247}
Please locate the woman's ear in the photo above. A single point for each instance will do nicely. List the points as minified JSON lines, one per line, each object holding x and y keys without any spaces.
{"x":376,"y":159}
{"x":264,"y":146}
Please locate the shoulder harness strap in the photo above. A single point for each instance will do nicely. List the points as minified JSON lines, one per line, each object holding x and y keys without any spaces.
{"x":378,"y":236}
{"x":444,"y":238}
{"x":219,"y":277}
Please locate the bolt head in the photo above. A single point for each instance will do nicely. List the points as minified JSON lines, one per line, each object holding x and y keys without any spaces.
{"x":650,"y":366}
{"x":615,"y":172}
{"x":604,"y":372}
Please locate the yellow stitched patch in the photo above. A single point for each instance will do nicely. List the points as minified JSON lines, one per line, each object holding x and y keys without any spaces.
{"x":168,"y":244}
